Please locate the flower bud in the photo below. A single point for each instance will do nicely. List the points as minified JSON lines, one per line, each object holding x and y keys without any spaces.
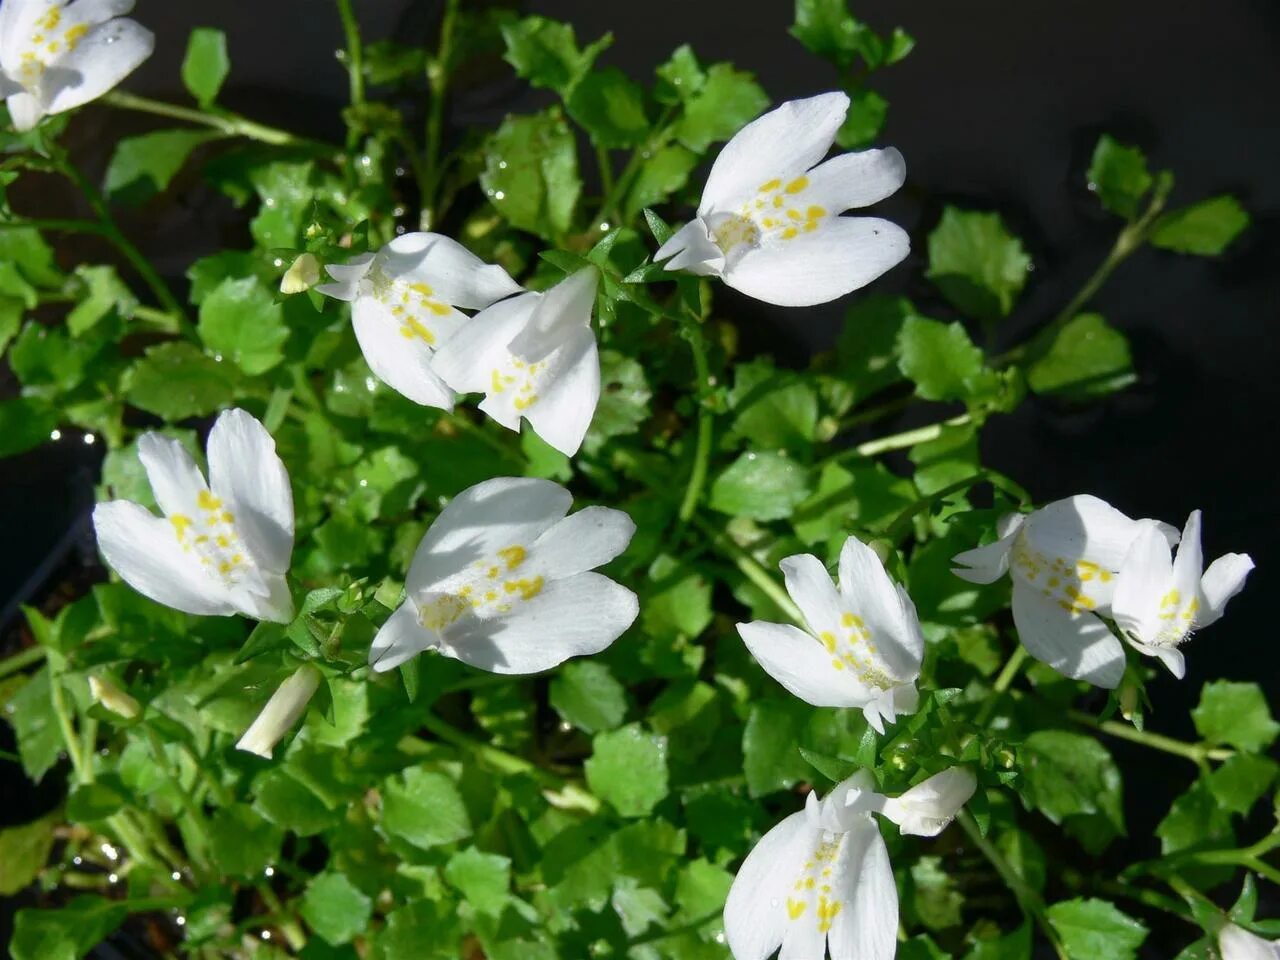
{"x":283,"y":710}
{"x":106,"y":692}
{"x":303,"y":275}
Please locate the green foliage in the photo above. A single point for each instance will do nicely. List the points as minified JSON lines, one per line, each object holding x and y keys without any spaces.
{"x":143,"y":166}
{"x":1086,"y":358}
{"x":976,"y":263}
{"x":1095,"y":928}
{"x":1205,"y":229}
{"x":628,"y":770}
{"x":1236,"y":714}
{"x":240,"y":321}
{"x":531,"y":173}
{"x":1119,"y":176}
{"x":206,"y":64}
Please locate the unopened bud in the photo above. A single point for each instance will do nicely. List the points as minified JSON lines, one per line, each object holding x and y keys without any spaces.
{"x":303,"y":275}
{"x":282,"y":711}
{"x":106,"y":692}
{"x":1129,"y":700}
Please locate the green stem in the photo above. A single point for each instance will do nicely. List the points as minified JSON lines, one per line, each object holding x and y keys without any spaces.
{"x":185,"y":797}
{"x":753,"y":571}
{"x":1028,"y":899}
{"x":903,"y":520}
{"x":702,"y":450}
{"x":21,"y":660}
{"x":1149,"y":898}
{"x":461,"y":422}
{"x":898,"y":441}
{"x":355,"y":56}
{"x":438,"y":78}
{"x":639,"y":156}
{"x":606,"y":171}
{"x":224,"y":122}
{"x":1011,"y":668}
{"x":284,"y":919}
{"x":1197,"y":753}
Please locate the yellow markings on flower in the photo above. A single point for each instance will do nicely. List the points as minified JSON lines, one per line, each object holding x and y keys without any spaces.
{"x":513,"y":556}
{"x":218,"y":550}
{"x":797,"y":185}
{"x":53,"y":36}
{"x":1071,"y":584}
{"x":852,"y":649}
{"x":810,"y":890}
{"x":483,"y":590}
{"x":412,"y":305}
{"x":519,"y":376}
{"x":776,"y":211}
{"x":1178,"y":616}
{"x":736,"y":230}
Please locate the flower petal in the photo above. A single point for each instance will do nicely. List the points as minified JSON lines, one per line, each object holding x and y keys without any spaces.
{"x":455,"y":274}
{"x":691,"y":248}
{"x":1079,"y":646}
{"x":988,"y":564}
{"x":24,"y":110}
{"x":1145,"y":576}
{"x":801,"y":664}
{"x":470,"y":360}
{"x":588,"y":539}
{"x":142,"y":548}
{"x":175,"y":479}
{"x":105,"y":55}
{"x":568,"y":618}
{"x":810,"y":586}
{"x":264,"y":597}
{"x":1222,"y":581}
{"x":755,"y":915}
{"x":856,"y":179}
{"x":781,"y":144}
{"x":482,"y":520}
{"x":401,"y":638}
{"x":868,"y":592}
{"x":927,"y":808}
{"x":569,"y":394}
{"x":1083,"y":527}
{"x":1188,"y":565}
{"x":866,"y":927}
{"x":843,"y":254}
{"x":402,"y":363}
{"x":1238,"y":944}
{"x":558,"y":316}
{"x":245,"y":468}
{"x":348,"y":276}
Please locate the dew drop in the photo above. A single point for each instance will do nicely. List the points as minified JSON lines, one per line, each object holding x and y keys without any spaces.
{"x":502,"y":164}
{"x":181,"y":920}
{"x":55,"y":434}
{"x":89,"y":439}
{"x":176,"y":875}
{"x":499,"y":195}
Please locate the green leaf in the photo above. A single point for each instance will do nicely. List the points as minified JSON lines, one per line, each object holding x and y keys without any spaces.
{"x":424,"y":808}
{"x":1087,"y":358}
{"x":24,"y":250}
{"x":624,"y":396}
{"x":976,"y":263}
{"x":1241,"y":780}
{"x":826,"y":28}
{"x":1204,"y":229}
{"x":1194,"y":820}
{"x":1235,"y":714}
{"x":935,"y":898}
{"x":770,"y":759}
{"x":772,"y":408}
{"x":677,"y":599}
{"x":482,"y":878}
{"x":940,"y":358}
{"x":628,"y":769}
{"x":25,"y":423}
{"x":65,"y":934}
{"x":586,"y":695}
{"x":336,"y":908}
{"x":242,"y":843}
{"x":104,"y":292}
{"x":680,"y":77}
{"x":546,"y":53}
{"x":287,"y":197}
{"x":660,"y":176}
{"x":610,"y":107}
{"x":638,"y":908}
{"x":867,"y":114}
{"x":726,"y":102}
{"x":1119,"y":176}
{"x":175,"y":381}
{"x":283,"y":800}
{"x":31,"y":714}
{"x":23,"y":852}
{"x":420,"y":931}
{"x":1092,"y":928}
{"x":531,"y":173}
{"x":93,"y":801}
{"x":1066,"y":774}
{"x":46,"y":357}
{"x":762,"y":486}
{"x":145,"y":165}
{"x":206,"y":64}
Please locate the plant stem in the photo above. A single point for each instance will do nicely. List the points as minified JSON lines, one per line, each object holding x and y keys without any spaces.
{"x":903,"y":520}
{"x":21,"y":660}
{"x":1011,"y":668}
{"x":898,"y":441}
{"x":702,"y":450}
{"x":185,"y":797}
{"x":753,"y":571}
{"x":438,"y":78}
{"x":230,"y":124}
{"x":288,"y":926}
{"x":1197,"y":753}
{"x":355,"y":59}
{"x":1028,"y":899}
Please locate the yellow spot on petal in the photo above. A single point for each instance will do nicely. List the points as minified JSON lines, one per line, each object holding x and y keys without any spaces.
{"x":798,"y":184}
{"x":771,"y":185}
{"x":514,"y":556}
{"x":795,"y":908}
{"x":207,"y":501}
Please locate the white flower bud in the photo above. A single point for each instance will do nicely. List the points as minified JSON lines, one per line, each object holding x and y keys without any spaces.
{"x":106,"y":692}
{"x":925,"y":809}
{"x":283,"y":710}
{"x":303,"y":275}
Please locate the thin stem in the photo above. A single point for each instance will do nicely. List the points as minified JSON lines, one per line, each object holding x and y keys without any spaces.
{"x":288,"y":926}
{"x":355,"y":52}
{"x":614,"y":193}
{"x":438,"y":78}
{"x":903,"y":520}
{"x":21,"y":660}
{"x":899,"y":441}
{"x":752,"y":570}
{"x":1011,"y":668}
{"x":224,"y":122}
{"x":1197,"y":753}
{"x":1028,"y":899}
{"x":702,"y":450}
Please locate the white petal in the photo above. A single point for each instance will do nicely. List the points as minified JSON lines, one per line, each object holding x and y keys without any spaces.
{"x":568,"y":394}
{"x":1222,"y":581}
{"x":143,"y":549}
{"x":856,"y":179}
{"x":471,"y":359}
{"x":987,"y":564}
{"x":245,"y":469}
{"x":455,"y":274}
{"x":348,"y":276}
{"x":1188,"y":565}
{"x":588,"y":539}
{"x":17,"y":24}
{"x":175,"y":479}
{"x":810,"y":586}
{"x":866,"y":927}
{"x":1146,"y":575}
{"x":843,"y":254}
{"x":781,"y":144}
{"x":401,"y":638}
{"x":559,"y":316}
{"x":928,"y":807}
{"x":801,"y":664}
{"x":755,"y":913}
{"x":482,"y":520}
{"x":105,"y":55}
{"x":282,"y":712}
{"x":868,"y":592}
{"x":1079,"y":646}
{"x":1238,"y":944}
{"x":403,"y":364}
{"x":264,"y":596}
{"x":1082,"y":527}
{"x":25,"y":111}
{"x":691,"y":248}
{"x":568,"y":618}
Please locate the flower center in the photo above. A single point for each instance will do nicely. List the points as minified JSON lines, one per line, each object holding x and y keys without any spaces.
{"x":1177,"y":615}
{"x":212,"y":537}
{"x":487,"y":588}
{"x":1067,"y":582}
{"x":853,"y":648}
{"x":518,"y":377}
{"x":53,"y":37}
{"x":411,"y":304}
{"x":812,"y":888}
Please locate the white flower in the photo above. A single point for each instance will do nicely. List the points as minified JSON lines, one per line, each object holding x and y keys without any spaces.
{"x":769,"y":222}
{"x":1063,"y":560}
{"x":533,"y":356}
{"x":282,"y":711}
{"x":821,"y":878}
{"x":864,"y":644}
{"x":1238,"y":944}
{"x":1160,"y":601}
{"x":303,"y":274}
{"x":222,"y":547}
{"x":501,"y":581}
{"x":404,"y":302}
{"x":56,"y":55}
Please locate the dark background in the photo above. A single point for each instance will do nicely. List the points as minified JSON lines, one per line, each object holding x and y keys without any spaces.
{"x":997,"y":108}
